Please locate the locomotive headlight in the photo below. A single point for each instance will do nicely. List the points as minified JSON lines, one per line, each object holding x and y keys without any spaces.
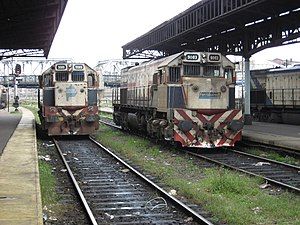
{"x":81,"y":90}
{"x":223,"y":89}
{"x":195,"y":88}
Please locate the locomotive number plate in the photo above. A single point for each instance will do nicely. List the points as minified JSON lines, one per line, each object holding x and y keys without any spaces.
{"x":78,"y":67}
{"x":209,"y":95}
{"x":192,"y":57}
{"x":61,"y":67}
{"x":214,"y":58}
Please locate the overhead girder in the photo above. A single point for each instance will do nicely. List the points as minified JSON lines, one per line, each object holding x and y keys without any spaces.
{"x":29,"y":24}
{"x":244,"y":28}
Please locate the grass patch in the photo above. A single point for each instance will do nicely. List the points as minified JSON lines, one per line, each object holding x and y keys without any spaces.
{"x":48,"y":184}
{"x":274,"y":156}
{"x":106,"y":103}
{"x":106,"y":115}
{"x":16,"y":112}
{"x":231,"y":197}
{"x":33,"y":107}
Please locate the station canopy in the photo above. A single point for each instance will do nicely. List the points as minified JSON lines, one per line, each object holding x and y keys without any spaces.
{"x":238,"y":27}
{"x":28,"y":27}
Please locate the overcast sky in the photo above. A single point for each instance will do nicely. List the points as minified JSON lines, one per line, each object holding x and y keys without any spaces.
{"x":94,"y":30}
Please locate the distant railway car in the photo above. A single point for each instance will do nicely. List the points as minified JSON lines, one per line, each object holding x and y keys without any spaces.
{"x":275,"y":95}
{"x":186,"y":98}
{"x":68,"y":99}
{"x":3,"y":97}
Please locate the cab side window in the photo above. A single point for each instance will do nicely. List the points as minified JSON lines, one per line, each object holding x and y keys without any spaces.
{"x":174,"y":74}
{"x":228,"y":73}
{"x":91,"y":80}
{"x":48,"y":80}
{"x":160,"y":77}
{"x":155,"y":78}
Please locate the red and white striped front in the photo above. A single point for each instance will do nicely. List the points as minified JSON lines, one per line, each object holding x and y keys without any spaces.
{"x":207,"y":129}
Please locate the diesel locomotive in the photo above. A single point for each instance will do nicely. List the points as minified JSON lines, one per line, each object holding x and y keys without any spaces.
{"x":68,"y":98}
{"x":275,"y":95}
{"x":188,"y":98}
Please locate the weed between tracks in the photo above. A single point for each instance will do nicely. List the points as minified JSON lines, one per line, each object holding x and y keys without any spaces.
{"x":105,"y":115}
{"x":48,"y":184}
{"x":274,"y":155}
{"x":230,"y":196}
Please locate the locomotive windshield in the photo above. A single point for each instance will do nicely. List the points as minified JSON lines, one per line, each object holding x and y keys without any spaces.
{"x":211,"y":71}
{"x":61,"y":76}
{"x":78,"y":76}
{"x":202,"y":71}
{"x":192,"y":70}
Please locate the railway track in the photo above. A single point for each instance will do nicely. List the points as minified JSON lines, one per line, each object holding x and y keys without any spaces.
{"x":115,"y":193}
{"x":265,"y":147}
{"x":282,"y":174}
{"x":274,"y":172}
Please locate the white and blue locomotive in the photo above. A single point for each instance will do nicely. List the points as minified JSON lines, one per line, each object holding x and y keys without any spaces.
{"x":68,"y":99}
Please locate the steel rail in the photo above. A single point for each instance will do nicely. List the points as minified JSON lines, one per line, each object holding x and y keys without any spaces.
{"x":271,"y":147}
{"x":287,"y":150}
{"x":272,"y":181}
{"x":265,"y":159}
{"x":109,"y":124}
{"x":198,"y":218}
{"x":82,"y":198}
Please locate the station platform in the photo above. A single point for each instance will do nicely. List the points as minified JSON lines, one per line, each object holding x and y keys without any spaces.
{"x":280,"y":135}
{"x":8,"y":124}
{"x":20,"y":198}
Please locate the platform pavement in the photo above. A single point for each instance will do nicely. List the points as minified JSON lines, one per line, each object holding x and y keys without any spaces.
{"x":8,"y":124}
{"x":280,"y":135}
{"x":20,"y":198}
